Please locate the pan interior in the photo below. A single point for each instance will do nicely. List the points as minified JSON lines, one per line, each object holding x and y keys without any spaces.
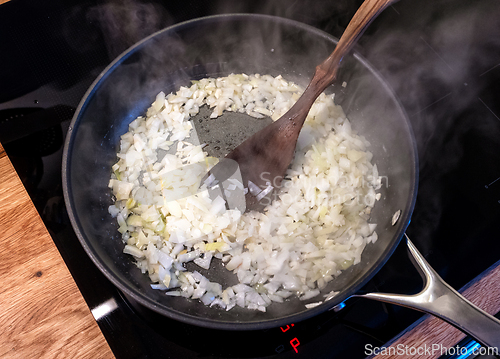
{"x":212,"y":47}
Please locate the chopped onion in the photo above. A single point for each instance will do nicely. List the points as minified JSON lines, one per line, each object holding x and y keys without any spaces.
{"x":313,"y":229}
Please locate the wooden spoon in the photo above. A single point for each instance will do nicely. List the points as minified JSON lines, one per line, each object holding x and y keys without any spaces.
{"x":264,"y":157}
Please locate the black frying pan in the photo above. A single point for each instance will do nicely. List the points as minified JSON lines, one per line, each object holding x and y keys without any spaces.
{"x":211,"y":47}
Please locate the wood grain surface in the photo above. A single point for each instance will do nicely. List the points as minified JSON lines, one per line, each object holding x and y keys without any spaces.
{"x":42,"y":313}
{"x":484,"y":292}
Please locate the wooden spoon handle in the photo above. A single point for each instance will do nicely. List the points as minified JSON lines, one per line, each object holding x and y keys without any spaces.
{"x":326,"y":72}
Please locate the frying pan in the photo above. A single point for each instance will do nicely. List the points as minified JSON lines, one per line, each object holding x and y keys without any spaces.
{"x":217,"y":46}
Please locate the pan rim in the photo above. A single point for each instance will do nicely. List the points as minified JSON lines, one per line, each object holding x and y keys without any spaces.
{"x":213,"y":323}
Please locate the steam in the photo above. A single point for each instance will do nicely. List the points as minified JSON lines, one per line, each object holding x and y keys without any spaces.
{"x":330,"y":16}
{"x":123,"y":23}
{"x":435,"y":67}
{"x":434,"y":64}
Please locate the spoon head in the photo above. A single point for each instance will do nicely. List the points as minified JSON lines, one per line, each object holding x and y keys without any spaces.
{"x":260,"y":162}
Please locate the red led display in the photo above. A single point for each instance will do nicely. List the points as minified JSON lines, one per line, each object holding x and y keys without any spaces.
{"x":295,"y":343}
{"x":284,"y":329}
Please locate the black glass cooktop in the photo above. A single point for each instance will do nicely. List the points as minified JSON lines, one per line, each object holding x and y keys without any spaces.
{"x":441,"y":57}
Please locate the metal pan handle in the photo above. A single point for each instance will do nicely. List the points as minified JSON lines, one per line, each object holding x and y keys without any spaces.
{"x":439,"y":299}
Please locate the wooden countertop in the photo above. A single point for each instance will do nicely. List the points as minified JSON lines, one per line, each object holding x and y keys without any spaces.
{"x":43,"y":314}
